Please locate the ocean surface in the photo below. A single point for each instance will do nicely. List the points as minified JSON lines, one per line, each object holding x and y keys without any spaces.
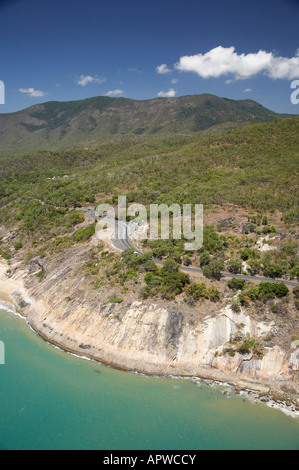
{"x":52,"y":400}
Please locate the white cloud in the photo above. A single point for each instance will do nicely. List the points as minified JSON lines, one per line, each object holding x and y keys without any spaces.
{"x":84,"y":80}
{"x":163,"y":69}
{"x":167,"y":94}
{"x":134,"y":69}
{"x":32,"y":92}
{"x":248,"y":90}
{"x":114,"y":93}
{"x":174,"y":81}
{"x":224,"y":60}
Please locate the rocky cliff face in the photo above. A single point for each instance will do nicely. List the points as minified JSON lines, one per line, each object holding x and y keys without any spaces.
{"x":152,"y":338}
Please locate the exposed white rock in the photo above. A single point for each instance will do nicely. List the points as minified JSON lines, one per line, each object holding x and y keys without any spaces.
{"x":262,"y":246}
{"x":148,"y":337}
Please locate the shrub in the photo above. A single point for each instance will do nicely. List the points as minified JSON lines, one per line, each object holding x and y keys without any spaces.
{"x":245,"y":348}
{"x":213,"y":270}
{"x":5,"y":254}
{"x":294,"y":272}
{"x":152,"y":280}
{"x":168,"y":281}
{"x":235,"y":266}
{"x":253,"y":293}
{"x":150,"y":266}
{"x":146,"y":292}
{"x":244,"y":300}
{"x":272,"y":271}
{"x":296,"y":292}
{"x":198,"y":291}
{"x":84,"y":234}
{"x":270,"y":290}
{"x":187,"y":260}
{"x":212,"y":242}
{"x":204,"y":258}
{"x":213,"y":294}
{"x":236,"y":305}
{"x":236,"y":284}
{"x":115,"y":300}
{"x":18,"y":245}
{"x":254,"y":267}
{"x":245,"y":254}
{"x":268,"y":229}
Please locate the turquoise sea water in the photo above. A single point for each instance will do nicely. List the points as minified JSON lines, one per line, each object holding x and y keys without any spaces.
{"x":53,"y":400}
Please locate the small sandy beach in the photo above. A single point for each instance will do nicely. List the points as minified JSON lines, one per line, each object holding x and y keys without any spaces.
{"x":7,"y":286}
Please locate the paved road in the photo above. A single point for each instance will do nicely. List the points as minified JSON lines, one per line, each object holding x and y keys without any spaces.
{"x":121,"y":241}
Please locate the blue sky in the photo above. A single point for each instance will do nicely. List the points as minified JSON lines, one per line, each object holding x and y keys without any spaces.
{"x":69,"y":50}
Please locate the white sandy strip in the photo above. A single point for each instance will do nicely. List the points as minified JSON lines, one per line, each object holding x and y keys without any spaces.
{"x":7,"y":286}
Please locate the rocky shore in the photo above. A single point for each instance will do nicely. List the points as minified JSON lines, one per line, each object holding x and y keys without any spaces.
{"x":148,"y":337}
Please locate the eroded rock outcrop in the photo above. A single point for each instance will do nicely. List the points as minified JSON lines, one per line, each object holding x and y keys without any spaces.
{"x":149,"y":337}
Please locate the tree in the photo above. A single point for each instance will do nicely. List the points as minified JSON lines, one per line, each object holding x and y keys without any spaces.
{"x":272,"y":270}
{"x":296,"y":292}
{"x":254,"y":267}
{"x":245,"y":254}
{"x":265,"y":220}
{"x":236,"y":284}
{"x":152,"y":280}
{"x":253,"y":293}
{"x":294,"y":272}
{"x":214,"y":270}
{"x":235,"y":266}
{"x":150,"y":265}
{"x":170,"y":266}
{"x":270,"y":290}
{"x":168,"y":281}
{"x":198,"y":291}
{"x":236,"y":305}
{"x":187,"y":260}
{"x":281,"y":290}
{"x":213,"y":294}
{"x":204,"y":258}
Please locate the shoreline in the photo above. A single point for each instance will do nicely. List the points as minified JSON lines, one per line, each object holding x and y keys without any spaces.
{"x":254,"y":395}
{"x":7,"y":286}
{"x":261,"y":393}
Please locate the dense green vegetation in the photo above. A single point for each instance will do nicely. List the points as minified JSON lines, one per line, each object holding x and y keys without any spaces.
{"x":154,"y":281}
{"x":57,"y":125}
{"x":239,"y":166}
{"x":168,"y":281}
{"x":200,"y":291}
{"x":254,"y":167}
{"x":262,"y":292}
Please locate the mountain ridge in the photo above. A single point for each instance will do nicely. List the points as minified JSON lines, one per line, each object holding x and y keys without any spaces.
{"x":61,"y":124}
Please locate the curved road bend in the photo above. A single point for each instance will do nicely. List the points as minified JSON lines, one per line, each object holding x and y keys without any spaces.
{"x":123,"y":243}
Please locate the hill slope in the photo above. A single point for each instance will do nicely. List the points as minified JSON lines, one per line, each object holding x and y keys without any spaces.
{"x":55,"y":125}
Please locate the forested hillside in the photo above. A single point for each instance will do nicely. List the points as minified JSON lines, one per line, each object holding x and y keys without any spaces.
{"x":247,"y":179}
{"x":56,"y":125}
